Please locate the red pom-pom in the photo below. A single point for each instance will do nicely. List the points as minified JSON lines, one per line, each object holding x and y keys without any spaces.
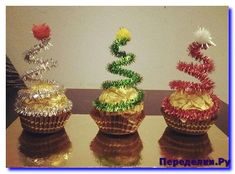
{"x":41,"y":31}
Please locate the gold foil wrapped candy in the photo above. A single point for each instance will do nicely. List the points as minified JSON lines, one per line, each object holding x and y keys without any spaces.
{"x":191,"y":101}
{"x":43,"y":106}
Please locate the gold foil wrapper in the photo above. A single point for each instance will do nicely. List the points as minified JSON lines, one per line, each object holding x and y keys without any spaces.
{"x":41,"y":90}
{"x":116,"y":95}
{"x":56,"y":101}
{"x":42,"y":86}
{"x":186,"y":101}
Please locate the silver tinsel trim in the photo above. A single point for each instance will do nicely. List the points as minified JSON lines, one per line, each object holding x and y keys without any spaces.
{"x":28,"y":111}
{"x":35,"y":74}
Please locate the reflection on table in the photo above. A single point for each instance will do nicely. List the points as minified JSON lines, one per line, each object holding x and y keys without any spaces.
{"x":174,"y":145}
{"x":91,"y":148}
{"x":114,"y":150}
{"x":44,"y":150}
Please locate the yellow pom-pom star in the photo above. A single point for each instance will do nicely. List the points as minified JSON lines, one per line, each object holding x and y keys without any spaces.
{"x":123,"y":34}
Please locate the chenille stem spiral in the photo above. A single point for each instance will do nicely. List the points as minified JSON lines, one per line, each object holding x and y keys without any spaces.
{"x":132,"y":78}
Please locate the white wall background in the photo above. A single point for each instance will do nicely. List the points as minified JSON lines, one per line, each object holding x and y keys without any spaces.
{"x":82,"y":36}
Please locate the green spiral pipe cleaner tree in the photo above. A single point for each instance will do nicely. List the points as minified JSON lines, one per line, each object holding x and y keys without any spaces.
{"x":116,"y":67}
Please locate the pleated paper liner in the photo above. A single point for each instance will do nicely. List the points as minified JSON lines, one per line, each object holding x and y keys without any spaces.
{"x":189,"y":127}
{"x":117,"y":123}
{"x":115,"y":150}
{"x":44,"y":124}
{"x":201,"y":123}
{"x":44,"y":150}
{"x":175,"y":145}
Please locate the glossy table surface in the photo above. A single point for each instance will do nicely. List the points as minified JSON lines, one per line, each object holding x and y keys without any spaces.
{"x":80,"y":145}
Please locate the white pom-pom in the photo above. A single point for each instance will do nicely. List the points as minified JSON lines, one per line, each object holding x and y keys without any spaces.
{"x":203,"y":36}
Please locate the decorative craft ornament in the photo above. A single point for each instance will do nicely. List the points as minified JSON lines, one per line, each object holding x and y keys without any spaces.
{"x":43,"y":98}
{"x":192,"y":108}
{"x":117,"y":90}
{"x":119,"y":108}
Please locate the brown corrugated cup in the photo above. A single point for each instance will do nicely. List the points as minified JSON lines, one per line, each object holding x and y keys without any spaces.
{"x":44,"y":124}
{"x":192,"y":122}
{"x":117,"y":123}
{"x":191,"y":127}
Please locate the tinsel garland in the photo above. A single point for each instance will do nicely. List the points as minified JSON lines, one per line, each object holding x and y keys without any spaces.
{"x":199,"y":71}
{"x":115,"y":67}
{"x":133,"y":78}
{"x":41,"y":90}
{"x":35,"y":74}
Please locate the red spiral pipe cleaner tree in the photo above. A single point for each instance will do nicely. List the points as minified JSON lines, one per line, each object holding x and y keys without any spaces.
{"x":199,"y":71}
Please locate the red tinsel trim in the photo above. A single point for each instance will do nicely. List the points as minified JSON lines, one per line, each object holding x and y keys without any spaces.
{"x":199,"y":71}
{"x":191,"y":114}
